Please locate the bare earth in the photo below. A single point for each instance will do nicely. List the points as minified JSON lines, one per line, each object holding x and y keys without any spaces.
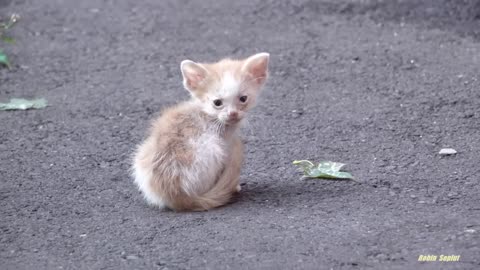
{"x":379,"y":85}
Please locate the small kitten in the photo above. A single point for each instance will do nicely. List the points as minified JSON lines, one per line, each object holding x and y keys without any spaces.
{"x":193,"y":155}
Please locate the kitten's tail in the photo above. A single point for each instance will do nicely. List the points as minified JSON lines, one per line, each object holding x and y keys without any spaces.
{"x":219,"y":195}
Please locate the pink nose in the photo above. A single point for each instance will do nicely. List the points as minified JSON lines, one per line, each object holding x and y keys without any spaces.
{"x":233,"y":115}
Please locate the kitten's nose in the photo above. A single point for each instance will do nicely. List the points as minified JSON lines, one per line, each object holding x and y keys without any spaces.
{"x":233,"y":115}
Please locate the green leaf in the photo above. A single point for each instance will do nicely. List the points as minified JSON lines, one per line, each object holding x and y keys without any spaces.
{"x":4,"y":60}
{"x":9,"y":40}
{"x":23,"y":104}
{"x":326,"y":169}
{"x":304,"y":164}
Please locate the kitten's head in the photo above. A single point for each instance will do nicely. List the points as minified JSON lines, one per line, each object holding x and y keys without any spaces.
{"x":227,"y":89}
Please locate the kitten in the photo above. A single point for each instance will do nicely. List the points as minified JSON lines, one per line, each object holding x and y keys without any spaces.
{"x":193,"y":155}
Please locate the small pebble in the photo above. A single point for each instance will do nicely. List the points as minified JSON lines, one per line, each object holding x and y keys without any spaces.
{"x":447,"y":151}
{"x":131,"y":257}
{"x":452,"y":194}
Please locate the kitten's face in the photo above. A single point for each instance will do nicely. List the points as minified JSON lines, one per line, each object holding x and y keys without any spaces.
{"x":226,"y":89}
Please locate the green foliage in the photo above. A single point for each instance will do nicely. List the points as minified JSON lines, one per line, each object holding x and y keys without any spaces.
{"x":4,"y":28}
{"x":9,"y":40}
{"x":4,"y":59}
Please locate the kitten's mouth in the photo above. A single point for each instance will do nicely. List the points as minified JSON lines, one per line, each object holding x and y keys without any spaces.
{"x":232,"y":121}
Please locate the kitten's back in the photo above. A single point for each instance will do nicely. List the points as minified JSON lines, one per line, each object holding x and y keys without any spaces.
{"x":181,"y":158}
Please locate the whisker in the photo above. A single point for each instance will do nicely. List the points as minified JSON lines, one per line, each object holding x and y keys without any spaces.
{"x":218,"y":126}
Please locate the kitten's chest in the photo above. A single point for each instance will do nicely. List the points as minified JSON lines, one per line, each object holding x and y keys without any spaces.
{"x":210,"y":152}
{"x":210,"y":148}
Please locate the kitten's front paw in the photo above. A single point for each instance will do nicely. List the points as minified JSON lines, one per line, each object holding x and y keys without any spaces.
{"x":238,"y":188}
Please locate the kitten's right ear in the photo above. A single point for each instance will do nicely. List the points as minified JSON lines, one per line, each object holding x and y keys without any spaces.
{"x":257,"y":67}
{"x":194,"y":74}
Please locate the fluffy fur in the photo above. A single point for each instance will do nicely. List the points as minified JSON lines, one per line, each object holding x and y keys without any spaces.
{"x":193,"y":155}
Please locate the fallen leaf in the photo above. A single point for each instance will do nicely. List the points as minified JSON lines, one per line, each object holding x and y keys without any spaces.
{"x":23,"y":104}
{"x":4,"y":59}
{"x":325,"y":169}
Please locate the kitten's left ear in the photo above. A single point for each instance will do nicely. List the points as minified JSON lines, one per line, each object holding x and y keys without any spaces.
{"x":257,"y":66}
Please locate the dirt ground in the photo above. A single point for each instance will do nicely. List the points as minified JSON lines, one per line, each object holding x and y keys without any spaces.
{"x":379,"y":85}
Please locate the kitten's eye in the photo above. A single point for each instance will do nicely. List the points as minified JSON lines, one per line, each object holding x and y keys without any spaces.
{"x":217,"y":102}
{"x":243,"y":99}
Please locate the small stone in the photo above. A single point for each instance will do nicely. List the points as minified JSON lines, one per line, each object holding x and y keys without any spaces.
{"x":470,"y":231}
{"x":447,"y":151}
{"x":390,"y":167}
{"x":382,"y":257}
{"x":452,"y":194}
{"x":132,"y":257}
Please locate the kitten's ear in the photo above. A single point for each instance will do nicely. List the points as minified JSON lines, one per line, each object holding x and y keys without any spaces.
{"x":257,"y":66}
{"x":194,"y":74}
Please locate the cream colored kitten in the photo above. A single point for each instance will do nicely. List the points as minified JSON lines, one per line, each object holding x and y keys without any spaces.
{"x":193,"y":155}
